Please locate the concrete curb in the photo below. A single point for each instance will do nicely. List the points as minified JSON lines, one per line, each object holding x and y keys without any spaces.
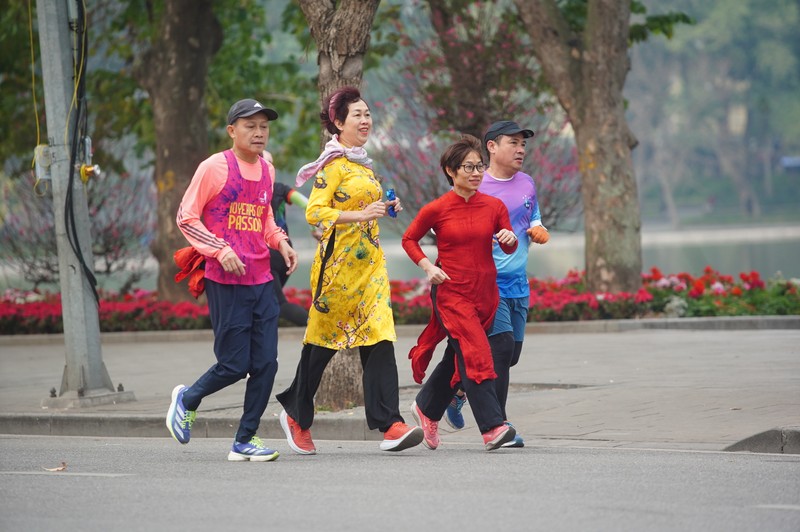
{"x":351,"y":427}
{"x":784,"y":440}
{"x":733,"y":323}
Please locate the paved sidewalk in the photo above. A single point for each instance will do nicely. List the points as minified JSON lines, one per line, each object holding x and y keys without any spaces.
{"x":694,"y":384}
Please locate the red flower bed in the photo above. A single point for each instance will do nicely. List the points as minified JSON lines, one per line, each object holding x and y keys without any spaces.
{"x":710,"y":294}
{"x":32,"y":313}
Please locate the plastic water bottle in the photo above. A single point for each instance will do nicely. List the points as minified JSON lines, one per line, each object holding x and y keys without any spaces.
{"x":391,"y":196}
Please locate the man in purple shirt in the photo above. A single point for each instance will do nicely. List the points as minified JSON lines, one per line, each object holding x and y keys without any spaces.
{"x":505,"y":142}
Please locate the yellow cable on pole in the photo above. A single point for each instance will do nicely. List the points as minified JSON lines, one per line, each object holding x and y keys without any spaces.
{"x":33,"y":79}
{"x":76,"y":75}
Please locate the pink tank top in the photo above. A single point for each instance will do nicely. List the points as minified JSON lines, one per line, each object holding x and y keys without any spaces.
{"x":238,"y":215}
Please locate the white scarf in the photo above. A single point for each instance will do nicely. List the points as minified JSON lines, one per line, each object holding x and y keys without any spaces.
{"x":333,"y":149}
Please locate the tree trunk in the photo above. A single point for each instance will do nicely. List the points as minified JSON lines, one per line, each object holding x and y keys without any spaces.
{"x":732,"y":156}
{"x":669,"y":199}
{"x":611,"y":208}
{"x":730,"y":139}
{"x":174,"y":74}
{"x":341,"y":31}
{"x":587,"y":71}
{"x":658,"y":157}
{"x":341,"y":385}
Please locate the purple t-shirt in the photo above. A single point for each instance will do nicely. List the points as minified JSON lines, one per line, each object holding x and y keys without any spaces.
{"x":519,"y":196}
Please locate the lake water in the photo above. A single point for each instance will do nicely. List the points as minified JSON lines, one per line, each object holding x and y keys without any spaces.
{"x":767,"y":250}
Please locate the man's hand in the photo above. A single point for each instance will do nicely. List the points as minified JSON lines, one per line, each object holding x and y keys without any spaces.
{"x":538,"y":234}
{"x":231,"y":263}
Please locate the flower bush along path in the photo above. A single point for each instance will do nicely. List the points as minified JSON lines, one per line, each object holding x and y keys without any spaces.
{"x":661,"y":296}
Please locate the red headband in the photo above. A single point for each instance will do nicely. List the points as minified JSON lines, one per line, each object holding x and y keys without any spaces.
{"x":332,"y":107}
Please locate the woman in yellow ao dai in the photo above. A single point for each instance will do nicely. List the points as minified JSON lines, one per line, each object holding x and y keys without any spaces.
{"x":354,"y":304}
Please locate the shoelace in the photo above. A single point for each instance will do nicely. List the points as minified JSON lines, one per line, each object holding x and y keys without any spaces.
{"x":458,"y":402}
{"x":304,"y":437}
{"x":256,"y":442}
{"x":188,"y":420}
{"x":433,"y":425}
{"x":427,"y":423}
{"x":300,"y":436}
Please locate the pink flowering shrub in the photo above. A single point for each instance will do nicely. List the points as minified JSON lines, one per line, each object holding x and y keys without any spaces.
{"x":567,"y":299}
{"x":715,"y":294}
{"x":411,"y":301}
{"x":710,"y":294}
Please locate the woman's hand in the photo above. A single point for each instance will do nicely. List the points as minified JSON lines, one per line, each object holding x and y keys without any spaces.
{"x":506,"y":237}
{"x":394,"y":203}
{"x":436,"y":275}
{"x":374,"y":211}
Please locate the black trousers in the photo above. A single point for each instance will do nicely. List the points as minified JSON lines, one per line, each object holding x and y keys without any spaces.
{"x":381,"y":389}
{"x":503,"y":350}
{"x":436,"y":393}
{"x":290,"y":312}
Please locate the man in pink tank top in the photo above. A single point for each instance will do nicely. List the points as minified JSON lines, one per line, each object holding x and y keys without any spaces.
{"x":225,"y":215}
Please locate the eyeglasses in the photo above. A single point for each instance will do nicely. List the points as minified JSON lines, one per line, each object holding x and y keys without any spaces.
{"x":469,"y":168}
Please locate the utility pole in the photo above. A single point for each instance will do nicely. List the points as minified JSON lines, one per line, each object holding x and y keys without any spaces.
{"x":85,"y":381}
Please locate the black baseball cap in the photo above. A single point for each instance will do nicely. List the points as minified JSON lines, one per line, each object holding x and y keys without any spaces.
{"x":505,"y":127}
{"x":249,"y":107}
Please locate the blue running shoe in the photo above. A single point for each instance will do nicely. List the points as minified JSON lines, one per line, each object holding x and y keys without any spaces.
{"x":180,"y":420}
{"x":254,"y":451}
{"x":516,"y":442}
{"x":453,"y":415}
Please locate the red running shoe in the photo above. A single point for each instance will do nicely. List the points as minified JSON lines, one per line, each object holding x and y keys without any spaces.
{"x":400,"y":436}
{"x":497,"y":436}
{"x":430,"y":428}
{"x":299,"y":439}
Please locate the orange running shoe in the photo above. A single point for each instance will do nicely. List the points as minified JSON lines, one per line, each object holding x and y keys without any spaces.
{"x":400,"y":436}
{"x":299,"y":439}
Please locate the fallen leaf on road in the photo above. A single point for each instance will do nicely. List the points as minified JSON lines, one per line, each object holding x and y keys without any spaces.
{"x":62,"y":467}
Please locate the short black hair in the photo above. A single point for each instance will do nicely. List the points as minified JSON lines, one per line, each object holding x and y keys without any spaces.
{"x":455,"y":154}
